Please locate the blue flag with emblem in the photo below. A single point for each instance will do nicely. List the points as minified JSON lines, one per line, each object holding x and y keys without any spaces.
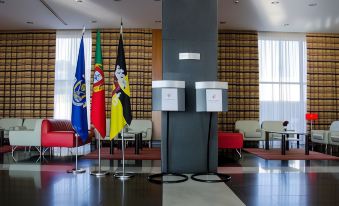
{"x":79,"y":107}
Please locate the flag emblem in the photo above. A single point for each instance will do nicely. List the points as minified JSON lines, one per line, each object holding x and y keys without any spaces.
{"x":79,"y":93}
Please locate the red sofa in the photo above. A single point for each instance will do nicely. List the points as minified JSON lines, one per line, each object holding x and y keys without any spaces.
{"x":231,"y":141}
{"x":59,"y":133}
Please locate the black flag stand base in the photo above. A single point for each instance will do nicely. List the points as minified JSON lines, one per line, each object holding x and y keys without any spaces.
{"x":76,"y":170}
{"x":123,"y":175}
{"x":160,"y":178}
{"x":99,"y":172}
{"x":222,"y":177}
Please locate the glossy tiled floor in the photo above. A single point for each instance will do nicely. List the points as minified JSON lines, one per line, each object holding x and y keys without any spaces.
{"x":254,"y":182}
{"x":266,"y":182}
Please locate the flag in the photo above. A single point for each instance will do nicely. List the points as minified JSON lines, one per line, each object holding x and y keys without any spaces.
{"x":79,"y":107}
{"x":98,"y":112}
{"x":121,"y":107}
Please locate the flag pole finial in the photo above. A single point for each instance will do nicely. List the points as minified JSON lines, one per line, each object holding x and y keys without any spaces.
{"x":83,"y":29}
{"x":121,"y":25}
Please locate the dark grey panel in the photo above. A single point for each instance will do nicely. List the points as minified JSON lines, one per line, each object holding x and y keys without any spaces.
{"x":189,"y":26}
{"x":189,"y":20}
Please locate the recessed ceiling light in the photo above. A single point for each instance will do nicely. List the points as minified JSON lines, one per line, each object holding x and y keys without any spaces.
{"x":275,"y":2}
{"x":312,"y":4}
{"x":79,"y":1}
{"x":94,"y":21}
{"x":157,"y":21}
{"x":236,"y":1}
{"x":117,"y":0}
{"x":286,"y":24}
{"x":156,"y":0}
{"x":29,"y":22}
{"x":2,"y":2}
{"x":222,"y":22}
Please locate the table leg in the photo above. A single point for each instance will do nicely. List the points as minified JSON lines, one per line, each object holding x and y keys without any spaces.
{"x":307,"y":151}
{"x":287,"y":147}
{"x":267,"y":144}
{"x":140,"y":141}
{"x":2,"y":134}
{"x":283,"y":144}
{"x":111,"y":148}
{"x":136,"y":144}
{"x":298,"y":136}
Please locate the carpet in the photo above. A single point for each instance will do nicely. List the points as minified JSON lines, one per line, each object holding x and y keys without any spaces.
{"x":292,"y":154}
{"x":145,"y":154}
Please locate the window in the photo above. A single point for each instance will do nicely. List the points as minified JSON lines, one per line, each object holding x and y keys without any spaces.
{"x":282,"y":78}
{"x":66,"y":57}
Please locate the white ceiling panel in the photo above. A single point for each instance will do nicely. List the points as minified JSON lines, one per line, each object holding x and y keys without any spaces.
{"x":259,"y":15}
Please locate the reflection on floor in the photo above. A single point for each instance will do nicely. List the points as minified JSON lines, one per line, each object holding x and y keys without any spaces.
{"x":273,"y":182}
{"x":254,"y":182}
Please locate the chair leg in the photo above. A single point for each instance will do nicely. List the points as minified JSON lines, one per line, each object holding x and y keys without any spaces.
{"x":239,"y":152}
{"x":331,"y":148}
{"x":13,"y":149}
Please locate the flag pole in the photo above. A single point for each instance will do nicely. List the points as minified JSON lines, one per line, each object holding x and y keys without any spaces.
{"x":99,"y":172}
{"x":122,"y":175}
{"x":76,"y":170}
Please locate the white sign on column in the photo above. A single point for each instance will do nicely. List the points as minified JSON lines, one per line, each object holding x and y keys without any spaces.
{"x":213,"y":100}
{"x":169,"y":99}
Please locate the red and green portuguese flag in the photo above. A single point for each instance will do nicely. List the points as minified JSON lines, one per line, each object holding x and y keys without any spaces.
{"x":98,"y":111}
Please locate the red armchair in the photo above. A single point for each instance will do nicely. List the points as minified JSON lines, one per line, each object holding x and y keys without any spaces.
{"x":58,"y":133}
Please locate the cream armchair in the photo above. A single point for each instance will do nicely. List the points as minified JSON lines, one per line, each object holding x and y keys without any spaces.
{"x":139,"y":126}
{"x":29,"y":135}
{"x":250,"y":129}
{"x":326,"y":137}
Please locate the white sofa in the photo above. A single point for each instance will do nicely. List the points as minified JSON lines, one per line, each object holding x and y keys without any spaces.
{"x":29,"y":135}
{"x":137,"y":125}
{"x":7,"y":124}
{"x":250,"y":130}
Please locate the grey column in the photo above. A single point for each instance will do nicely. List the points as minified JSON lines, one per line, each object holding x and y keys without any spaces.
{"x":189,"y":26}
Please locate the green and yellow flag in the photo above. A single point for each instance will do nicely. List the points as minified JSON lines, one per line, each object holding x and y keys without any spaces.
{"x":121,"y":113}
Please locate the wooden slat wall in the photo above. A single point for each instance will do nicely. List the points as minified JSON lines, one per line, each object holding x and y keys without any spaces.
{"x":27,"y":74}
{"x":138,"y":53}
{"x":238,"y":65}
{"x":323,"y":78}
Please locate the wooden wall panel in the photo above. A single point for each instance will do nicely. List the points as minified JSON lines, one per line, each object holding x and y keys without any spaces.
{"x":156,"y":75}
{"x":27,"y":74}
{"x":323,"y":78}
{"x":238,"y":65}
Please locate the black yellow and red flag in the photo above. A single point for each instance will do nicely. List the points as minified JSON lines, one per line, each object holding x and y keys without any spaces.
{"x":121,"y":113}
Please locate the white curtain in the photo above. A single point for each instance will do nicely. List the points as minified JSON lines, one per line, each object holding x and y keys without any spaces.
{"x":282,"y":78}
{"x":66,"y":57}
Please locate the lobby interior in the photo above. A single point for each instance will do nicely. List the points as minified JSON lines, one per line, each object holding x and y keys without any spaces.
{"x":155,"y":31}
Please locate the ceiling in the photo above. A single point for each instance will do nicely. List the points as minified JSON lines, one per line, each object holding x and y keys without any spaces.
{"x":259,"y":15}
